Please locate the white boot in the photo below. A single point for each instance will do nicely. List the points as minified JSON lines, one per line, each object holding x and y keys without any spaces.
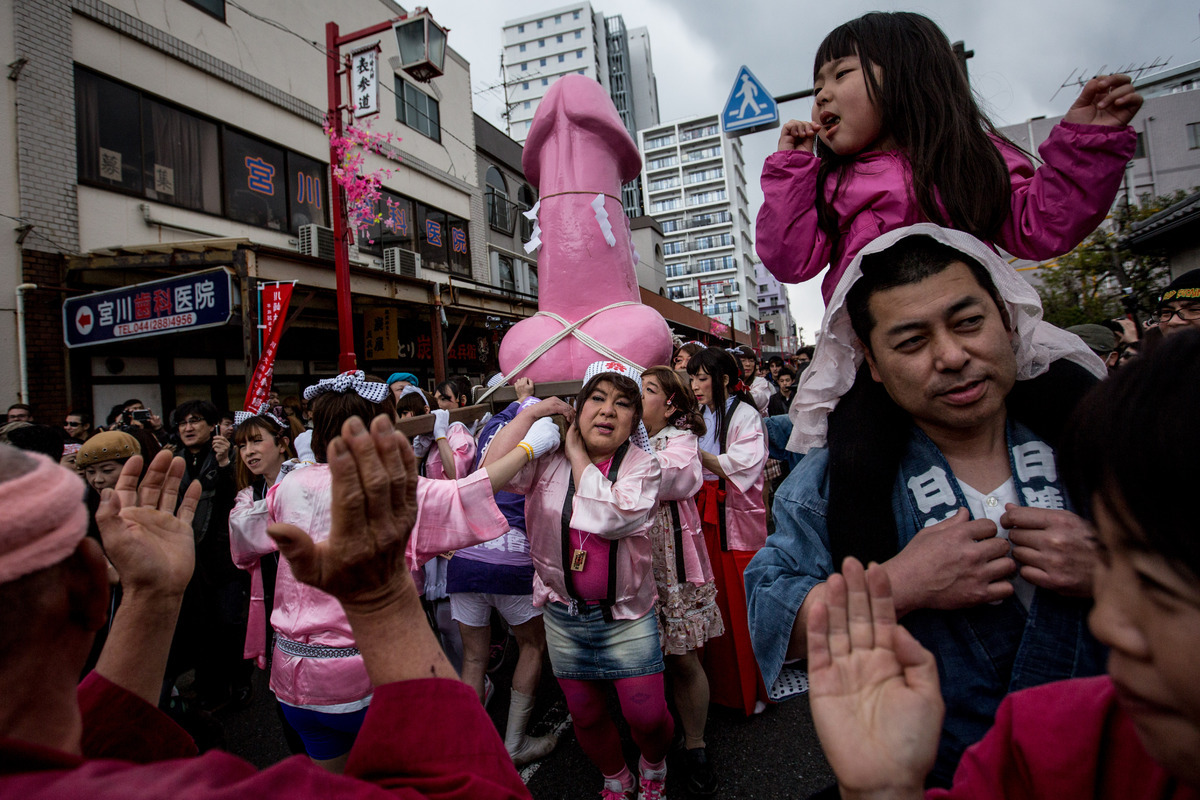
{"x":524,"y":749}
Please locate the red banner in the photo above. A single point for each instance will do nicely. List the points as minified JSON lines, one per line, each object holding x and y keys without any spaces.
{"x":275,"y":301}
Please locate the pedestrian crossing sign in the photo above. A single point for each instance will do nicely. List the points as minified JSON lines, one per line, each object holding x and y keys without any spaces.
{"x":750,"y":106}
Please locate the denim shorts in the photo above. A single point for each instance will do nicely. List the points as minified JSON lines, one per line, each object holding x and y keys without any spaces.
{"x":586,"y":648}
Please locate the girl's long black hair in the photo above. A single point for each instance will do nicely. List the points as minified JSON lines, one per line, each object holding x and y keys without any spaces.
{"x":715,"y":362}
{"x":927,"y":107}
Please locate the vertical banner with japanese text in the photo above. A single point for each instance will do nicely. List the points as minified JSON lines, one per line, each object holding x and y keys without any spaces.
{"x":364,"y":80}
{"x":275,"y":300}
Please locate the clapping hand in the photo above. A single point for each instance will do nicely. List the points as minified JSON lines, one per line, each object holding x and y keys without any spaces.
{"x":148,"y":541}
{"x":873,"y":688}
{"x":374,"y":508}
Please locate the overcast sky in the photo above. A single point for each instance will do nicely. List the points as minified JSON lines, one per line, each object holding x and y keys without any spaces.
{"x":1024,"y":51}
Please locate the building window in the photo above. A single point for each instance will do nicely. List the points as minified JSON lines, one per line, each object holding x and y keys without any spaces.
{"x":579,"y":54}
{"x":520,"y":29}
{"x":575,"y":15}
{"x":528,"y":104}
{"x":558,"y":39}
{"x":581,"y":72}
{"x":1139,"y":150}
{"x":507,"y":278}
{"x":561,"y":58}
{"x":525,"y":201}
{"x":525,"y":85}
{"x":214,"y":7}
{"x":533,"y":283}
{"x":1193,"y":135}
{"x":395,"y":228}
{"x":578,"y":34}
{"x":524,"y":67}
{"x":499,"y":211}
{"x":558,"y":19}
{"x":541,"y":42}
{"x":442,"y":241}
{"x":131,"y":142}
{"x":417,"y":110}
{"x":539,"y":23}
{"x":521,"y":47}
{"x":542,"y":62}
{"x":545,"y":81}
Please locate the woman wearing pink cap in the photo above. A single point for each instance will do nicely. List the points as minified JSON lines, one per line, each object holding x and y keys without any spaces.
{"x":589,"y":509}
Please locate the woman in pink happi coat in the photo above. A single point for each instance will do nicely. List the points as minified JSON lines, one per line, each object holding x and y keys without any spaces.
{"x":317,"y":673}
{"x":589,"y":508}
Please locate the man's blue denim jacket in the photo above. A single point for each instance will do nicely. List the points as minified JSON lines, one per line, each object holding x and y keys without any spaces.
{"x":982,"y":653}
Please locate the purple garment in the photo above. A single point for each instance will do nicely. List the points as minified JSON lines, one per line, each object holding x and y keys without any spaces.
{"x":1053,"y":208}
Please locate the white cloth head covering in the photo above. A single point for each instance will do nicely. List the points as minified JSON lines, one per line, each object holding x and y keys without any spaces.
{"x":410,"y":389}
{"x":355,"y":380}
{"x":640,"y":436}
{"x":838,"y":354}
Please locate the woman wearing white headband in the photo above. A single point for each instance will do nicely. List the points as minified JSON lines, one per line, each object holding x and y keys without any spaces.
{"x":589,"y":509}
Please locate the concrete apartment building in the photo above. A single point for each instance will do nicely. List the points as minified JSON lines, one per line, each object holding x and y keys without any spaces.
{"x":540,"y":48}
{"x":694,"y":184}
{"x":774,"y":310}
{"x":153,"y":141}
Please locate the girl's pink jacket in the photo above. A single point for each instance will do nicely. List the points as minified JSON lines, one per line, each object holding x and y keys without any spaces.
{"x":744,"y":458}
{"x":678,"y":453}
{"x":1054,"y":207}
{"x":462,"y":446}
{"x":621,"y":510}
{"x":450,"y":515}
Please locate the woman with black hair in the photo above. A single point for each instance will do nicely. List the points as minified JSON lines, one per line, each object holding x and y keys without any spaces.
{"x":733,"y":452}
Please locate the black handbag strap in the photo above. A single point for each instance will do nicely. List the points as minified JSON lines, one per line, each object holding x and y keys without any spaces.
{"x":568,"y":506}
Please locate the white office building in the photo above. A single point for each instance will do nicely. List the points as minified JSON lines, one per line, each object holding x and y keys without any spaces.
{"x":694,"y":184}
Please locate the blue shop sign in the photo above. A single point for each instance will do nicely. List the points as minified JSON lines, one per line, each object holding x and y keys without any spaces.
{"x":171,"y":305}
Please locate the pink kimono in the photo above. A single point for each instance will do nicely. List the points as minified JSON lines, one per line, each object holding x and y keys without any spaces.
{"x":621,"y":511}
{"x":1053,"y":208}
{"x":450,"y":515}
{"x":462,"y":446}
{"x":678,"y":454}
{"x":743,"y":461}
{"x":248,"y":513}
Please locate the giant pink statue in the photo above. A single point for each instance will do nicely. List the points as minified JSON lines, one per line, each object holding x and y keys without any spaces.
{"x":578,"y":154}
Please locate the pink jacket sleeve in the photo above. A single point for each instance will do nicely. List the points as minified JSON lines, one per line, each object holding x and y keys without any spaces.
{"x":452,"y":515}
{"x":788,"y":239}
{"x":615,"y":509}
{"x":1057,"y":206}
{"x":682,"y":475}
{"x":745,"y":450}
{"x":462,"y":447}
{"x":248,"y":539}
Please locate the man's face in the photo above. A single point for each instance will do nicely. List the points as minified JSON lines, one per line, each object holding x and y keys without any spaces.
{"x":19,"y":415}
{"x":941,"y":350}
{"x":73,"y":425}
{"x":194,"y":431}
{"x":1175,"y":316}
{"x":775,"y":366}
{"x":785,"y":384}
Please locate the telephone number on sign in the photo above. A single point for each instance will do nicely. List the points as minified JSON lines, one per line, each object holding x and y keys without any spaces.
{"x":157,"y":324}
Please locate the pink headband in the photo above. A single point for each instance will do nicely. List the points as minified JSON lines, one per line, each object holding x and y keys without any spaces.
{"x":51,"y":525}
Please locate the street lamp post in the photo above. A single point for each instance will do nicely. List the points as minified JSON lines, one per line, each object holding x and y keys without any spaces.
{"x":422,"y":46}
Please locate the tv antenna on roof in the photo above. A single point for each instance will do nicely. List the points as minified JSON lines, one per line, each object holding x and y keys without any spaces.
{"x":1135,"y":71}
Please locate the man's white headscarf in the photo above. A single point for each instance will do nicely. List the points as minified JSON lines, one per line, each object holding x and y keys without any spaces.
{"x":838,"y":354}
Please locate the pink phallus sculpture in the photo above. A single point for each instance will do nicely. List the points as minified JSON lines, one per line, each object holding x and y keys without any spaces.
{"x":578,"y":154}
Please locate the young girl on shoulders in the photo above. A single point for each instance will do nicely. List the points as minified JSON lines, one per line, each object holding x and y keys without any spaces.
{"x":896,"y":138}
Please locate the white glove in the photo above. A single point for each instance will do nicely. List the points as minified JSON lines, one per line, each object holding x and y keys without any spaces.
{"x":303,"y":444}
{"x":420,"y":446}
{"x":441,"y":423}
{"x":543,"y":436}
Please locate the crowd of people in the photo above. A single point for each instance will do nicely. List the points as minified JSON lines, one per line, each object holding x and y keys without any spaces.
{"x":674,"y":534}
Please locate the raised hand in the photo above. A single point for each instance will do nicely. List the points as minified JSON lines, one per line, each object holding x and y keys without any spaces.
{"x":1055,"y":548}
{"x":374,"y":508}
{"x":220,"y":447}
{"x":1105,"y":100}
{"x":524,"y":388}
{"x":148,"y":541}
{"x":873,"y":688}
{"x":798,"y":135}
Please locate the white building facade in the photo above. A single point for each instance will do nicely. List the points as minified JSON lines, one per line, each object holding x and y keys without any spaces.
{"x":694,"y":184}
{"x":775,"y":311}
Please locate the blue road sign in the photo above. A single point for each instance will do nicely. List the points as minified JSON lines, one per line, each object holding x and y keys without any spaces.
{"x":749,"y":105}
{"x":171,"y":305}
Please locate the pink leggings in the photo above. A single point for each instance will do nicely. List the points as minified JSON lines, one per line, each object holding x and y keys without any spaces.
{"x":644,"y":704}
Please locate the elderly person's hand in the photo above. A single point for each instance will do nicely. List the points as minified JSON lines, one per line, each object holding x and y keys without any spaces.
{"x":374,"y":486}
{"x":148,"y":541}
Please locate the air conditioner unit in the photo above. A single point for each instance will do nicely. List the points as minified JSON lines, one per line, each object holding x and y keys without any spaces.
{"x":729,"y":290}
{"x":399,"y":261}
{"x":317,"y":241}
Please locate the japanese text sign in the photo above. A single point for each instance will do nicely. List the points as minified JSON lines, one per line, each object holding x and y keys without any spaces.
{"x":364,"y":81}
{"x":171,"y":305}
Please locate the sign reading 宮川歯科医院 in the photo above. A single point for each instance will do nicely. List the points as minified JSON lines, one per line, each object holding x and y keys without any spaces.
{"x":171,"y":305}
